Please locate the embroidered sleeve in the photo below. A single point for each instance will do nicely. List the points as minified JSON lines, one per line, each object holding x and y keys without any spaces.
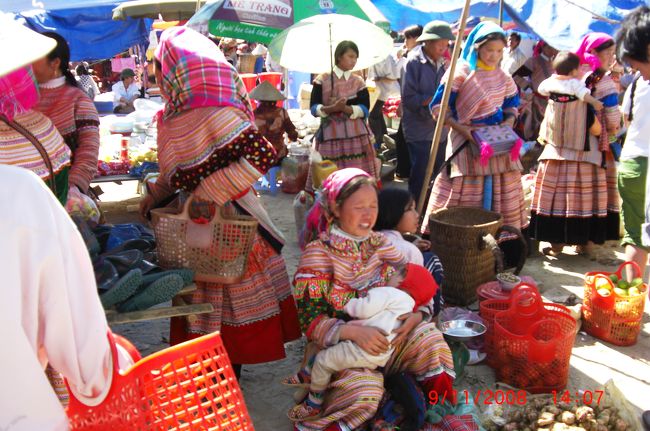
{"x":84,"y":166}
{"x":250,"y":147}
{"x":224,"y":184}
{"x":360,"y":104}
{"x":392,"y":255}
{"x":459,"y":78}
{"x":606,"y":92}
{"x":311,"y":286}
{"x":511,"y":99}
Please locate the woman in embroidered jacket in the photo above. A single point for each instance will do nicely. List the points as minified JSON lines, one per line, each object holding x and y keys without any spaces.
{"x":346,"y":260}
{"x":342,"y":102}
{"x":208,"y":145}
{"x":71,"y":111}
{"x":482,"y":94}
{"x":18,"y":96}
{"x":576,"y":197}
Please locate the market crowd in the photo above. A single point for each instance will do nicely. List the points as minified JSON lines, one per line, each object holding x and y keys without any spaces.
{"x":367,"y":287}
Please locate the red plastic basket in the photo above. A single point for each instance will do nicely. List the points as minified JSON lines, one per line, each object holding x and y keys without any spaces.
{"x":488,"y":309}
{"x":190,"y":386}
{"x":533,"y":342}
{"x":614,"y":318}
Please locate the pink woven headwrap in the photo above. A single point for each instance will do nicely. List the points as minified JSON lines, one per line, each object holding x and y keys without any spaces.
{"x":319,"y":217}
{"x":195,"y":74}
{"x":18,"y":92}
{"x":589,"y":42}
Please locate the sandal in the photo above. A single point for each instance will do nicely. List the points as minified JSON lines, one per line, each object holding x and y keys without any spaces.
{"x":123,"y":289}
{"x":298,"y":380}
{"x":161,"y":290}
{"x":303,"y":412}
{"x":553,"y":251}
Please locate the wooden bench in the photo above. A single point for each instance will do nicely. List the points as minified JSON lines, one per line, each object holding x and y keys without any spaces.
{"x":179,"y":307}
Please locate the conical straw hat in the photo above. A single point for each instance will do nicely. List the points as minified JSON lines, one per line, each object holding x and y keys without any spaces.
{"x":20,"y":46}
{"x":266,"y":91}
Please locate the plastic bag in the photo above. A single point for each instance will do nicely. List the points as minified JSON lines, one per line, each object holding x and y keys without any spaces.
{"x":121,"y":233}
{"x":82,"y":205}
{"x":141,"y":170}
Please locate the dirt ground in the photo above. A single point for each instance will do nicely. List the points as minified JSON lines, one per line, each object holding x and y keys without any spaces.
{"x":593,"y":362}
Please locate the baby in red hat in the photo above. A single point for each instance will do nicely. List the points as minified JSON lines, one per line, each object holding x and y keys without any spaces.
{"x":380,"y":308}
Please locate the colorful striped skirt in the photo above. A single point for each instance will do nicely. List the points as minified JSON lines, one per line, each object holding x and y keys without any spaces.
{"x":574,"y":202}
{"x":467,"y":191}
{"x":353,"y":396}
{"x":256,"y":316}
{"x":356,"y":152}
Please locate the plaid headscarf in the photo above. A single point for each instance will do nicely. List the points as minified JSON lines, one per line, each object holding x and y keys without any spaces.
{"x":195,"y":74}
{"x":18,"y":92}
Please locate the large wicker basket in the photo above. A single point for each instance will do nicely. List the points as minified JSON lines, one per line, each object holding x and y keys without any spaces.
{"x":464,"y":240}
{"x":217,"y":251}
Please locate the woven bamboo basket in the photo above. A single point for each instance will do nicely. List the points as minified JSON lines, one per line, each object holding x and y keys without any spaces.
{"x":216,"y":251}
{"x":464,"y":240}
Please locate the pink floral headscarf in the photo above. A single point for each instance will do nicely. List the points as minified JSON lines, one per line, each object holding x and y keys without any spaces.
{"x":196,"y":74}
{"x":320,"y":216}
{"x":18,"y":92}
{"x":589,"y":42}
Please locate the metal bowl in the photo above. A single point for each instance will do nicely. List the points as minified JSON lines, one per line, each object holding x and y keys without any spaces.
{"x":462,"y":330}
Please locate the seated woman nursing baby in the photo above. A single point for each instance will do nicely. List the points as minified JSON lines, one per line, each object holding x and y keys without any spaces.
{"x":347,"y":260}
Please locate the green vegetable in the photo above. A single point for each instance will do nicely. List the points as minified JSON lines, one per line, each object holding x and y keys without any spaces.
{"x":622,"y":284}
{"x":614,"y":278}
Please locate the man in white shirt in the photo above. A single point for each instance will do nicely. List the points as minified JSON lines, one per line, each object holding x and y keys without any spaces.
{"x":386,"y":75}
{"x":513,"y":57}
{"x":125,"y":92}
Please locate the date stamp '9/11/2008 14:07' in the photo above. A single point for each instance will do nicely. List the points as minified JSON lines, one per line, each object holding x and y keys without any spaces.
{"x":512,"y":397}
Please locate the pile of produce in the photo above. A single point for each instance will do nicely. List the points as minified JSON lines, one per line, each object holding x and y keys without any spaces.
{"x":518,"y":371}
{"x":606,"y":286}
{"x":544,"y":414}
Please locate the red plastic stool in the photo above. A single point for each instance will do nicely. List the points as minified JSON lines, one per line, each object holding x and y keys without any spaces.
{"x":274,"y":78}
{"x":250,"y":82}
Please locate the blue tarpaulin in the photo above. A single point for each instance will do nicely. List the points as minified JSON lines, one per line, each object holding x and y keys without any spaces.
{"x":403,"y":13}
{"x":87,"y":25}
{"x":562,"y":23}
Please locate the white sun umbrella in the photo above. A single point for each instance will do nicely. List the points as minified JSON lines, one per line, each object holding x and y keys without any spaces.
{"x":308,"y":45}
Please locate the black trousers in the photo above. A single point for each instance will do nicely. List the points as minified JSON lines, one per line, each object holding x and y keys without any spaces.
{"x":377,"y":123}
{"x":403,"y":158}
